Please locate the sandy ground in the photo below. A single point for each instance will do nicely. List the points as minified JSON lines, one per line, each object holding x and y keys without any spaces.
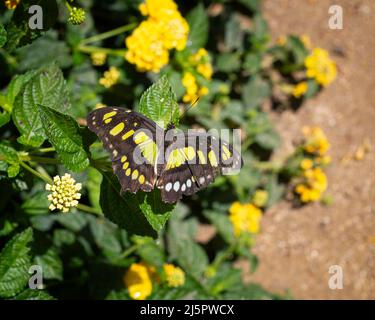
{"x":297,"y":246}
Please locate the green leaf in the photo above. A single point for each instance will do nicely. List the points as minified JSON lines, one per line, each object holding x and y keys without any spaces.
{"x":19,"y":32}
{"x":14,"y":264}
{"x":253,"y":5}
{"x":222,"y":224}
{"x":44,"y":50}
{"x":141,"y":213}
{"x":191,"y":257}
{"x":228,"y":62}
{"x":226,"y":278}
{"x":233,"y":33}
{"x":64,"y":134}
{"x":48,"y":88}
{"x":199,"y":24}
{"x":159,"y":103}
{"x":105,"y":237}
{"x":149,"y":251}
{"x":3,"y":35}
{"x":269,"y":140}
{"x":252,"y":63}
{"x":250,"y":291}
{"x":31,"y":294}
{"x":274,"y":189}
{"x":15,"y":86}
{"x":181,"y":244}
{"x":51,"y":264}
{"x":254,"y":92}
{"x":93,"y":186}
{"x":10,"y":156}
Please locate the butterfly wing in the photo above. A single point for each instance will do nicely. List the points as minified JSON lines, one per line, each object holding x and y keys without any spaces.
{"x":193,"y":162}
{"x":129,"y":137}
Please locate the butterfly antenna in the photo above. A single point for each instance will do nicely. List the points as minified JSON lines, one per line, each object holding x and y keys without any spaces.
{"x":189,"y":107}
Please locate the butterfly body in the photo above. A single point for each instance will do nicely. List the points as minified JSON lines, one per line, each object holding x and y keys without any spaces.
{"x":144,"y":155}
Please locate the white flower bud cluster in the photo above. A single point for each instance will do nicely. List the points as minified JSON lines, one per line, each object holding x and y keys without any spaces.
{"x":64,"y":193}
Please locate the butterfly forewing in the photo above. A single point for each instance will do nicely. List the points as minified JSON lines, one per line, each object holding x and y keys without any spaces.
{"x":128,"y":136}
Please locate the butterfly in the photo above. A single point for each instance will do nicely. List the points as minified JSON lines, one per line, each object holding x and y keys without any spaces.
{"x":144,"y":155}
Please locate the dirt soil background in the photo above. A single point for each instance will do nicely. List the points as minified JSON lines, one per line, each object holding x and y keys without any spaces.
{"x":297,"y":246}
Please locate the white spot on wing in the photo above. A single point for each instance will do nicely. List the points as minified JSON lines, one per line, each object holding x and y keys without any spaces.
{"x":168,"y":186}
{"x":176,"y":186}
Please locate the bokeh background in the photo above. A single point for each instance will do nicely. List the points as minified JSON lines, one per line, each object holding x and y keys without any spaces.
{"x":296,"y":247}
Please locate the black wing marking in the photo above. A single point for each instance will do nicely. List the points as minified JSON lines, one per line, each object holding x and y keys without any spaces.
{"x":116,"y":128}
{"x":187,"y":175}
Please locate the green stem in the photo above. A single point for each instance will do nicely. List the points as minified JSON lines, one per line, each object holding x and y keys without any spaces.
{"x":36,"y":173}
{"x":108,"y":34}
{"x":49,"y":149}
{"x":274,"y":166}
{"x":68,"y":5}
{"x":129,"y":251}
{"x":91,"y":49}
{"x":219,"y":259}
{"x":88,"y":209}
{"x":40,"y":159}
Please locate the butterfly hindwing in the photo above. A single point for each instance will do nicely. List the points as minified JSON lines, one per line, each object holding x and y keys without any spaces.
{"x":128,"y":136}
{"x":192,"y":163}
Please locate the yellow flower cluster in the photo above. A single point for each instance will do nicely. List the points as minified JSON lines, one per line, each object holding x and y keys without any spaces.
{"x":139,"y":277}
{"x":316,"y":141}
{"x":175,"y":276}
{"x":320,"y":67}
{"x":110,"y":77}
{"x":260,"y":198}
{"x":138,"y":280}
{"x":202,"y":62}
{"x":193,"y":91}
{"x":12,"y":4}
{"x":314,"y":186}
{"x":64,"y":193}
{"x":300,"y":89}
{"x":98,"y":58}
{"x":244,"y":218}
{"x":314,"y":182}
{"x":165,"y":29}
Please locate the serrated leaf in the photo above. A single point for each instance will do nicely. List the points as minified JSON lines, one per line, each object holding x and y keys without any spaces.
{"x":159,"y":103}
{"x":51,"y":264}
{"x":10,"y":156}
{"x":48,"y":88}
{"x":199,"y":24}
{"x":64,"y":134}
{"x":14,"y":264}
{"x":141,"y":213}
{"x":31,"y":294}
